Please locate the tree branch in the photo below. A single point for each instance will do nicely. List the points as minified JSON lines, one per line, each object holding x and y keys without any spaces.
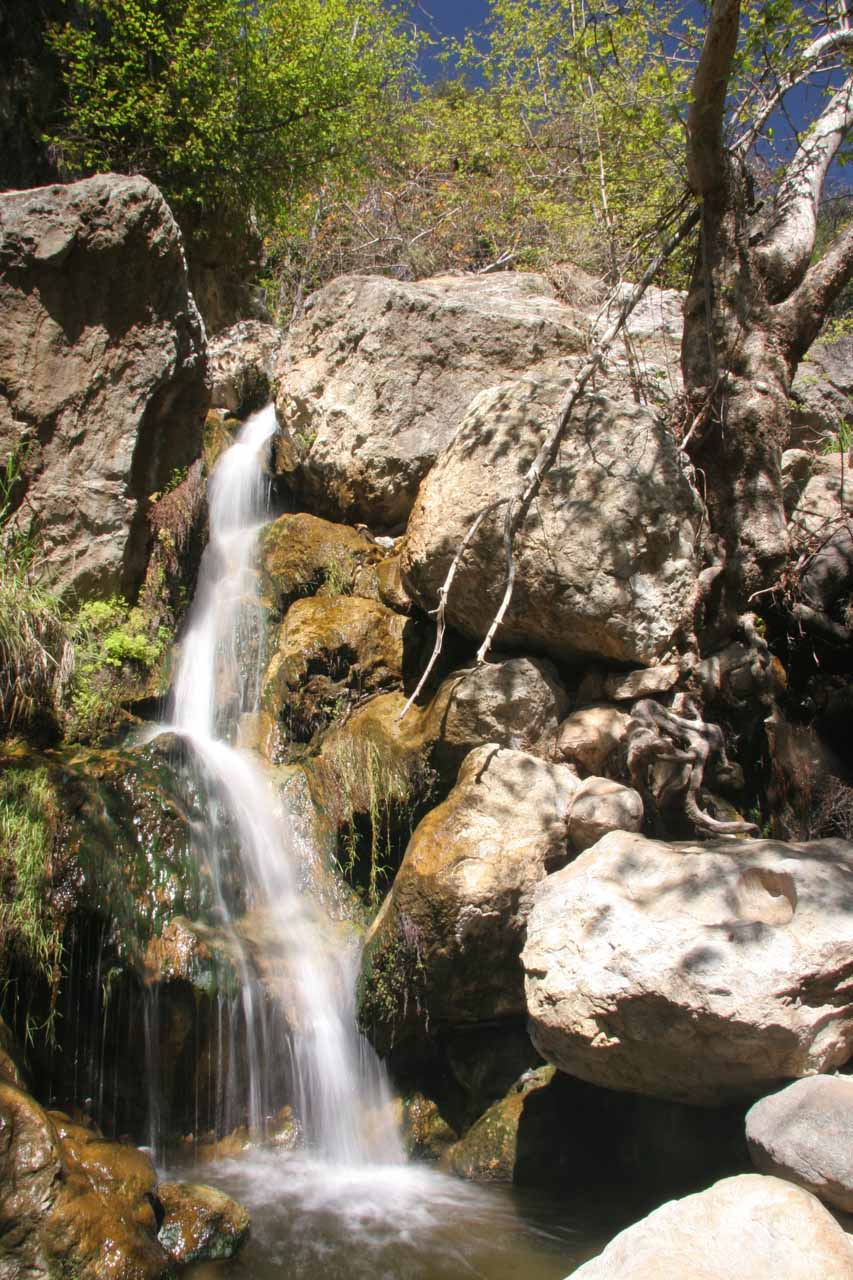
{"x":800,"y":317}
{"x":785,"y":249}
{"x":809,"y":61}
{"x":706,"y":162}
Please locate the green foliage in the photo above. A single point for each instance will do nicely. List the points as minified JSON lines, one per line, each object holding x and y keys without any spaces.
{"x":339,"y":575}
{"x":842,"y":440}
{"x":29,"y":925}
{"x":35,"y":654}
{"x":223,"y":103}
{"x":116,"y":647}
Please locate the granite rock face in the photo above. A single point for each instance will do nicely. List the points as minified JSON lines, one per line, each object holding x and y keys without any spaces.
{"x":606,"y":560}
{"x":805,"y":1133}
{"x":102,"y":370}
{"x":701,"y":972}
{"x":376,"y":375}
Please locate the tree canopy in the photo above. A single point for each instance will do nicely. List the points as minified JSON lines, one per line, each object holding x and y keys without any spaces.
{"x":227,"y":102}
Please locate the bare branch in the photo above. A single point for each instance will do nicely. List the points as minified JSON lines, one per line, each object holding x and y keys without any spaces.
{"x":442,"y":598}
{"x":784,"y":251}
{"x":800,"y":317}
{"x":809,"y":61}
{"x":706,"y":163}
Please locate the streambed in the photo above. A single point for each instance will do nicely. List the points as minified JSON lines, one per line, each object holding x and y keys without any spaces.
{"x":315,"y":1221}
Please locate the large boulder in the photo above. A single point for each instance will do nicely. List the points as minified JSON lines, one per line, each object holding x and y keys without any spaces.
{"x":102,"y":369}
{"x":377,"y":373}
{"x":444,"y":949}
{"x":696,"y":972}
{"x":805,"y":1133}
{"x":71,"y":1202}
{"x":516,"y":702}
{"x":822,"y":393}
{"x":749,"y":1226}
{"x":606,"y":561}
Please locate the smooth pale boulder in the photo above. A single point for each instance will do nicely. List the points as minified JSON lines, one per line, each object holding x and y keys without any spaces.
{"x":102,"y":370}
{"x":700,"y":972}
{"x":606,"y":561}
{"x":600,"y":806}
{"x":749,"y":1227}
{"x":591,"y":737}
{"x":444,"y":949}
{"x":517,"y":702}
{"x":376,"y":374}
{"x":805,"y":1133}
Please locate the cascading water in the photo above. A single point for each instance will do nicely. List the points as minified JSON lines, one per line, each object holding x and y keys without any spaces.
{"x":338,"y":1085}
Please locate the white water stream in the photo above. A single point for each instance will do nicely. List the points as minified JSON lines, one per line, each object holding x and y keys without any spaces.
{"x":338,"y":1086}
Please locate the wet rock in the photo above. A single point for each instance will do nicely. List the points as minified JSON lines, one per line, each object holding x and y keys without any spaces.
{"x":377,"y":373}
{"x":517,"y":703}
{"x":242,"y":359}
{"x":300,"y":554}
{"x":444,"y":949}
{"x":12,"y":1062}
{"x":804,"y":1133}
{"x":71,"y":1199}
{"x":425,"y":1132}
{"x":30,"y":1172}
{"x":200,"y":1223}
{"x":697,"y":972}
{"x":752,"y":1227}
{"x":102,"y":369}
{"x":489,"y":1150}
{"x":591,"y":737}
{"x":600,"y":806}
{"x":606,"y":562}
{"x":331,"y":650}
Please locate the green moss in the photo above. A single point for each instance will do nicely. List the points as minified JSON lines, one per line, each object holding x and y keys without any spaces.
{"x":30,"y":924}
{"x":117,"y":648}
{"x":390,"y":982}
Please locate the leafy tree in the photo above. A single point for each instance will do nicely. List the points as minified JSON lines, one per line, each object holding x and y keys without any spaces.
{"x":227,"y":104}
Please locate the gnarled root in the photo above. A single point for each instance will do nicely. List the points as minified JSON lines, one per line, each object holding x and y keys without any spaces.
{"x":660,"y":735}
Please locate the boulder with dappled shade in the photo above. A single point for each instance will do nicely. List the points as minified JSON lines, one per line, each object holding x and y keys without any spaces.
{"x":700,"y":972}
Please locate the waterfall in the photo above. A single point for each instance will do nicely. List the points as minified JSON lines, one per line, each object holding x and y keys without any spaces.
{"x":338,"y":1085}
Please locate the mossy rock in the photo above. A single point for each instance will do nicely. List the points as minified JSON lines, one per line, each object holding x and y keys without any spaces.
{"x":330,"y":652}
{"x":200,"y":1223}
{"x":372,"y":783}
{"x":426,"y":1133}
{"x":301,"y":554}
{"x":489,"y":1150}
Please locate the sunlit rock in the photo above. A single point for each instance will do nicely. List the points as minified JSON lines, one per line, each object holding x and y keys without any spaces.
{"x":697,"y":972}
{"x":102,"y":369}
{"x":752,"y":1227}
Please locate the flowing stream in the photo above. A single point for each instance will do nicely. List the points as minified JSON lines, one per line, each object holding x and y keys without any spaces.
{"x":346,"y":1204}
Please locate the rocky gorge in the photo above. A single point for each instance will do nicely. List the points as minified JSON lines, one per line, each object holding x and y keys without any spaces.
{"x":602,"y":880}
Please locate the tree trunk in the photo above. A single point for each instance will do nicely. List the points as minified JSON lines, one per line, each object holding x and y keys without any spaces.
{"x":732,"y":362}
